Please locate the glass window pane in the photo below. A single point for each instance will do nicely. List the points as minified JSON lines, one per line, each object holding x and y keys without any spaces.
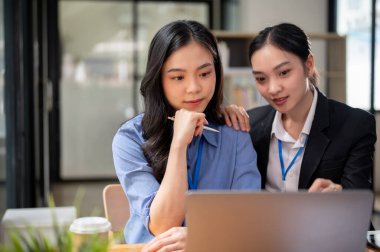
{"x":354,"y":21}
{"x":96,"y":84}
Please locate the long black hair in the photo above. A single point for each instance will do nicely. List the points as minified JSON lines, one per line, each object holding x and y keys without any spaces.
{"x":157,"y":130}
{"x":287,"y":37}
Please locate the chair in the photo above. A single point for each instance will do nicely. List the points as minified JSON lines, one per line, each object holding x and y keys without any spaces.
{"x":116,"y":208}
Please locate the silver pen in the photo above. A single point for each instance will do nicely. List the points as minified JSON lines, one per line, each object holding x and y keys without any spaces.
{"x":205,"y":127}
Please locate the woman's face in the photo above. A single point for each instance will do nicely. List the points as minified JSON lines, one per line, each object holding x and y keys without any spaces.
{"x":281,"y":78}
{"x":188,"y":78}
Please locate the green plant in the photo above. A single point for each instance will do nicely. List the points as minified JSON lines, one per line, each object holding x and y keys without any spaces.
{"x":33,"y":240}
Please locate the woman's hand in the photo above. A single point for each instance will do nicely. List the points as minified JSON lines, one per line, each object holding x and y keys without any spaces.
{"x":172,"y":240}
{"x":324,"y":185}
{"x":237,"y":117}
{"x":187,"y":124}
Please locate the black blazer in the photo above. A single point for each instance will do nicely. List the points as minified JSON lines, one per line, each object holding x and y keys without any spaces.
{"x":340,"y":146}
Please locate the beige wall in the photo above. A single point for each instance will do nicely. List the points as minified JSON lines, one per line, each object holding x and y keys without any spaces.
{"x":311,"y":15}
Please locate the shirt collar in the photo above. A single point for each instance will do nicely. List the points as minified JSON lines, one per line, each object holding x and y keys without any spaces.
{"x":212,"y":137}
{"x":278,"y":128}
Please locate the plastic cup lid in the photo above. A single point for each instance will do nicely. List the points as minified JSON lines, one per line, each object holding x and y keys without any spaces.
{"x":90,"y":225}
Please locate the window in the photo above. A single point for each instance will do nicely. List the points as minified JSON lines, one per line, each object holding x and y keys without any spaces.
{"x":354,"y":21}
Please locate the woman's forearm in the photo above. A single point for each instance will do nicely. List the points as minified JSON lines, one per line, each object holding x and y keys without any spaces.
{"x":168,"y":207}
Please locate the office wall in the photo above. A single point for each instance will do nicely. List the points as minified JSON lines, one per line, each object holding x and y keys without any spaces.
{"x":311,"y":15}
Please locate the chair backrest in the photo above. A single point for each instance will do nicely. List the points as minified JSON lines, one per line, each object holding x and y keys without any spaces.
{"x":116,"y":206}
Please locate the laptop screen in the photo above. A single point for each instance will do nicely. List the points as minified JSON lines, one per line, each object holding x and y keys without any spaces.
{"x":226,"y":221}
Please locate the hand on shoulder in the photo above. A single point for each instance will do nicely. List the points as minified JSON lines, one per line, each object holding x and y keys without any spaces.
{"x":236,"y":117}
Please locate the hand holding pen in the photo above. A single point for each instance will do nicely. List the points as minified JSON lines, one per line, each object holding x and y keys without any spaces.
{"x":204,"y":127}
{"x":187,"y":124}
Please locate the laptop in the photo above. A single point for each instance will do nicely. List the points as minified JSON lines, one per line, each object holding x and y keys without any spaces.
{"x":289,"y":222}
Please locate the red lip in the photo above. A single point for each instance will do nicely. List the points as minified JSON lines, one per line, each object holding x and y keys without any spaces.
{"x":194,"y":101}
{"x":193,"y":104}
{"x":280,"y":101}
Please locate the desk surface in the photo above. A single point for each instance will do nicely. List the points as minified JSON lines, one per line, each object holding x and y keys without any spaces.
{"x":138,"y":247}
{"x":128,"y":248}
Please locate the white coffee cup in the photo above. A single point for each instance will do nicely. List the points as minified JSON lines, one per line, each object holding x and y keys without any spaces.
{"x":87,"y":228}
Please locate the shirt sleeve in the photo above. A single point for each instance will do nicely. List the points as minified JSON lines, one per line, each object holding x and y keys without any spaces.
{"x":246,"y":174}
{"x":135,"y":175}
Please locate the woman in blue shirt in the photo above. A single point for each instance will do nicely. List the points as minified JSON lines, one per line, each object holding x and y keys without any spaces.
{"x":158,"y":160}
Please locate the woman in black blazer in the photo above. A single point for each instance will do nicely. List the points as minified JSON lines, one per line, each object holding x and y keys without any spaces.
{"x":337,"y":148}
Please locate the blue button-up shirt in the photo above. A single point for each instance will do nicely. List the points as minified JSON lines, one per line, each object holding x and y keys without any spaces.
{"x":228,"y":163}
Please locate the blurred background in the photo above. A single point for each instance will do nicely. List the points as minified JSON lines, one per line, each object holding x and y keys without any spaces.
{"x":74,"y":70}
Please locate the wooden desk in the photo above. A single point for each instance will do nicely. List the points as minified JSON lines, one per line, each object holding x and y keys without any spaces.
{"x":368,"y":249}
{"x":138,"y":247}
{"x":130,"y":248}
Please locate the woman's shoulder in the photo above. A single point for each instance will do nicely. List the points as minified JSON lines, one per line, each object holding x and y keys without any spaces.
{"x":133,"y":122}
{"x":234,"y":141}
{"x":231,"y":134}
{"x":346,"y":119}
{"x":341,"y":110}
{"x":131,"y":128}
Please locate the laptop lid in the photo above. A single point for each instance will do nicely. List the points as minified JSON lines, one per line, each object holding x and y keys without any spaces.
{"x":287,"y":222}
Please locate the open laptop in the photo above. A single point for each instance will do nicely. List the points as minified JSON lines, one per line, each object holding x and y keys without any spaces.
{"x":287,"y":222}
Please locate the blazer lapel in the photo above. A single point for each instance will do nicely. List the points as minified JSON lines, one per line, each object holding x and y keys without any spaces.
{"x":264,"y":135}
{"x":317,"y":142}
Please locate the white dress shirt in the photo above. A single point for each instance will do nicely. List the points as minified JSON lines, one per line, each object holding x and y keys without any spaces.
{"x":290,"y":147}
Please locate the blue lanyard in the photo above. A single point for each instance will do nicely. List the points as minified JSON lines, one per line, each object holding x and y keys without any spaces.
{"x":193,"y":184}
{"x":283,"y":171}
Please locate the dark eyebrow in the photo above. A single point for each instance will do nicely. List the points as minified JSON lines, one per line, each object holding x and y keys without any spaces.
{"x":281,"y":64}
{"x":275,"y":68}
{"x":204,"y":65}
{"x":256,"y":72}
{"x":175,"y":70}
{"x":183,"y":70}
